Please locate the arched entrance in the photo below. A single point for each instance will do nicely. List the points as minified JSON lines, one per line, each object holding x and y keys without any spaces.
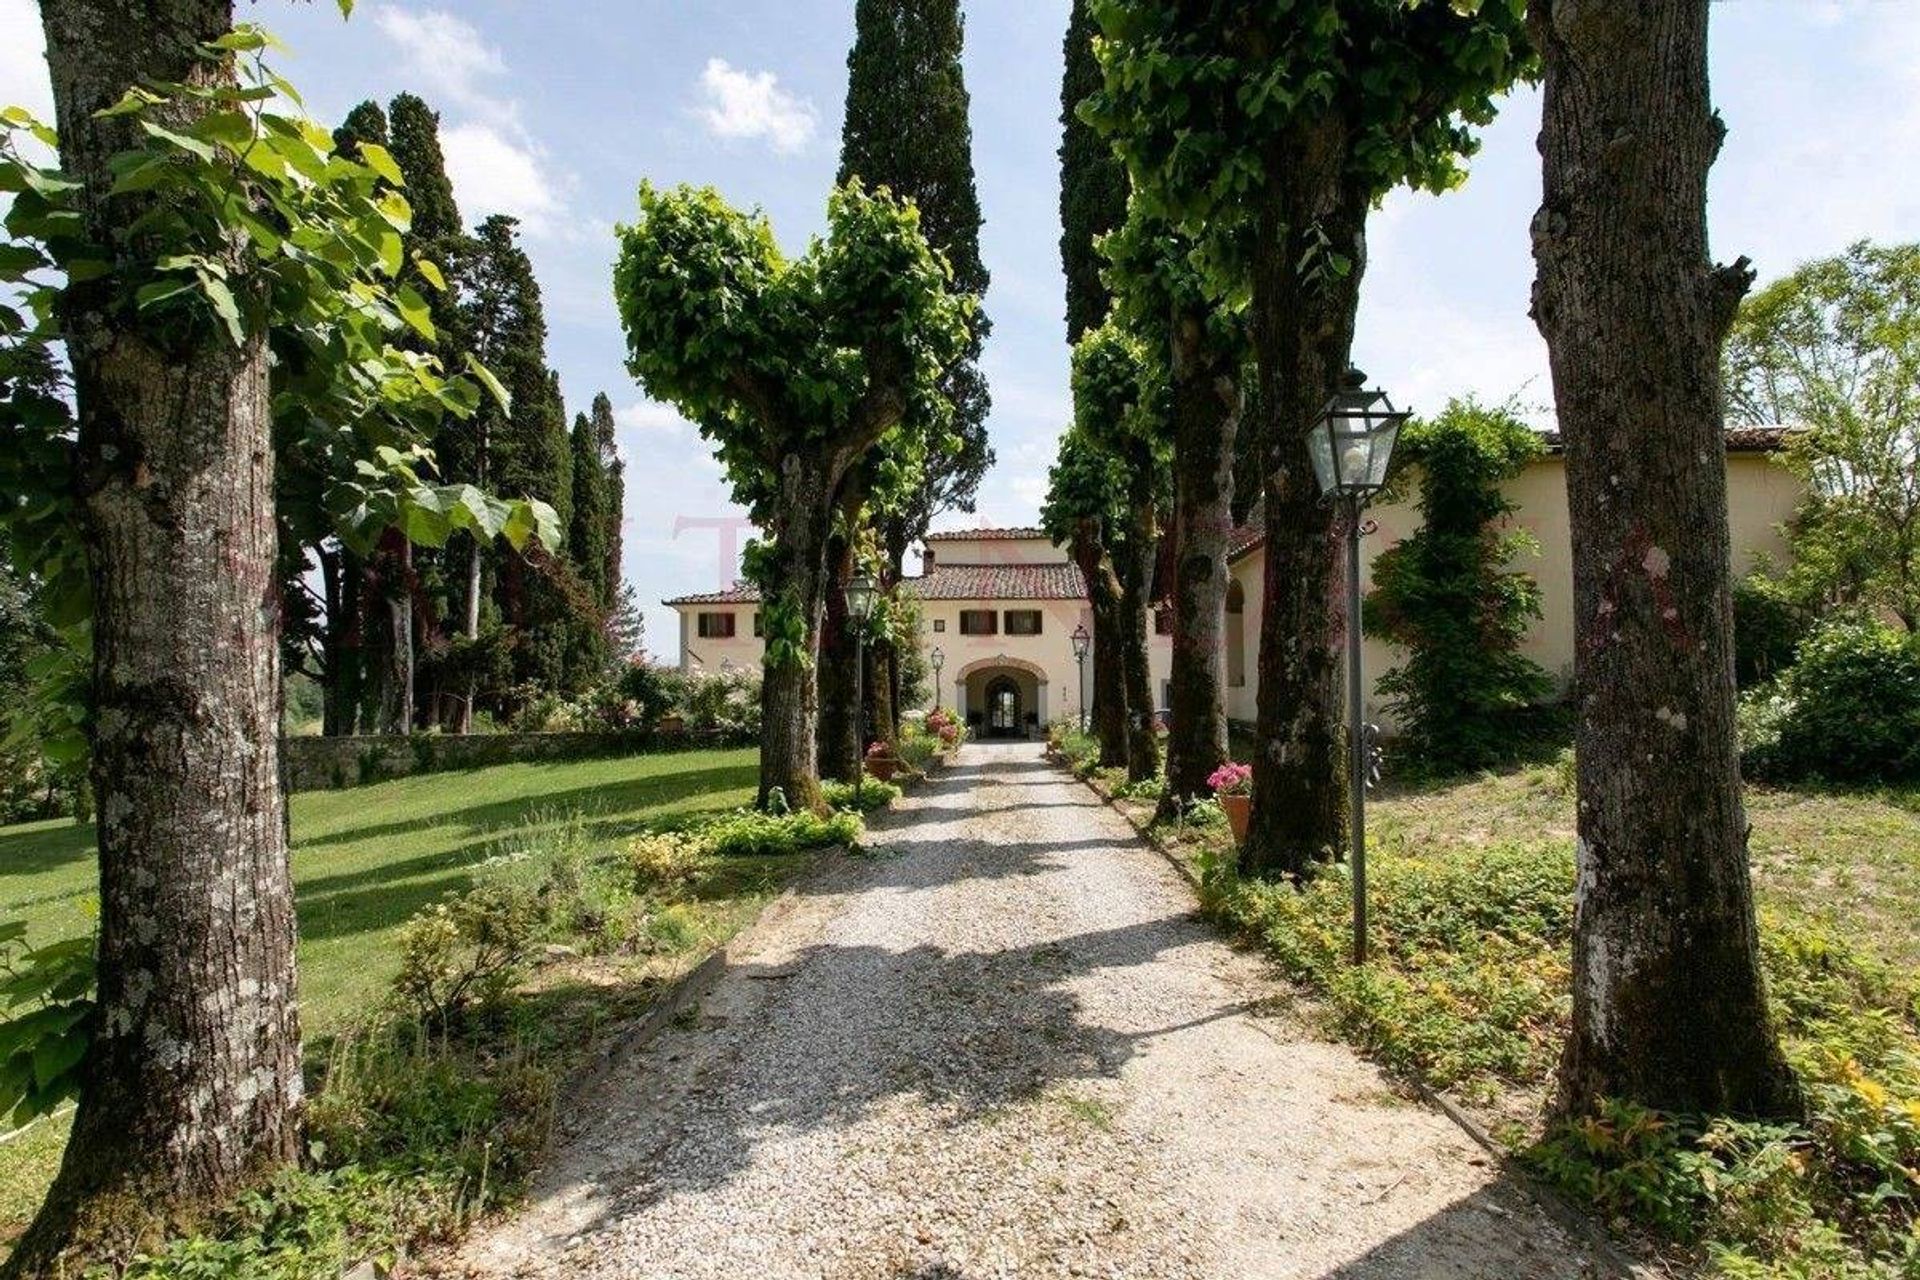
{"x":1003,"y":708}
{"x":1002,"y":697}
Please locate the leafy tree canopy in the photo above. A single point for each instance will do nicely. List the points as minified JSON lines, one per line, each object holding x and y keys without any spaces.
{"x":772,"y":357}
{"x":1834,"y":349}
{"x":1196,"y":95}
{"x":1085,"y":483}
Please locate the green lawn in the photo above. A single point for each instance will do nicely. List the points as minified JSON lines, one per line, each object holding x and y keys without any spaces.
{"x":364,"y":860}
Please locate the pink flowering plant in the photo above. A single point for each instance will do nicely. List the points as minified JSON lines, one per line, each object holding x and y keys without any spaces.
{"x":879,"y":751}
{"x":942,"y":724}
{"x":1232,"y":779}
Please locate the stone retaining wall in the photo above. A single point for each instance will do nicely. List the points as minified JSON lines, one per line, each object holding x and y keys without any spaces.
{"x":317,"y":763}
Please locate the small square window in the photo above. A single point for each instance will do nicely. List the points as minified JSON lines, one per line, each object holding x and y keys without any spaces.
{"x":1023,"y":622}
{"x":1163,"y":622}
{"x":939,"y":624}
{"x":759,"y":626}
{"x":716,"y":626}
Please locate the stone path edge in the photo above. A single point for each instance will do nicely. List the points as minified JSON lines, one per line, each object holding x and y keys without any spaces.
{"x":1550,"y":1201}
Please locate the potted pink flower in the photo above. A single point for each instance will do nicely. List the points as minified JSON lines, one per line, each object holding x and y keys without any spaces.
{"x":881,"y":762}
{"x":1233,"y":787}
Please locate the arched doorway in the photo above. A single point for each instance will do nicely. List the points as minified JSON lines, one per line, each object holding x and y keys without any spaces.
{"x":1003,"y":708}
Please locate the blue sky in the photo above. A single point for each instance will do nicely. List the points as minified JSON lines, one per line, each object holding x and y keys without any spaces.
{"x":555,"y":112}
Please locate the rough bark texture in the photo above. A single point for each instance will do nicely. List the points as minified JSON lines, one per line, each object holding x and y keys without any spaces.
{"x":1206,"y":419}
{"x":1302,"y":335}
{"x":789,"y":691}
{"x":1108,"y":712}
{"x":1133,"y":564}
{"x":1668,"y":1008}
{"x":839,"y":733}
{"x":193,"y":1080}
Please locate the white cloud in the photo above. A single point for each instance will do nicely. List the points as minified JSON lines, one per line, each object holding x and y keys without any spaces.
{"x":447,"y":57}
{"x":496,"y":164}
{"x":23,"y":64}
{"x":650,"y":417}
{"x":492,"y":173}
{"x":752,"y":105}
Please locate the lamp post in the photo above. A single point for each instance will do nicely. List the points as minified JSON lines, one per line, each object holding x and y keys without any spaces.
{"x":1351,"y":445}
{"x":936,"y":659}
{"x":860,"y":598}
{"x":1081,"y":642}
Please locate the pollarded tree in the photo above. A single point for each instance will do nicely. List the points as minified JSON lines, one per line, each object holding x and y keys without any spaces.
{"x":1085,"y":505}
{"x":196,"y":231}
{"x":1195,"y":328}
{"x":1668,"y":1009}
{"x":1120,"y":404}
{"x":796,"y":370}
{"x":1268,"y":131}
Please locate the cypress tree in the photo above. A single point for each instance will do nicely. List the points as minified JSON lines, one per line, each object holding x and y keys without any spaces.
{"x":1093,"y":182}
{"x":587,"y":550}
{"x":615,"y":498}
{"x":1093,"y":201}
{"x":906,"y":129}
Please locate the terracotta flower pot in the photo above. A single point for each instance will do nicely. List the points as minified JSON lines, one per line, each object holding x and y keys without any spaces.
{"x":883,"y":768}
{"x":1238,"y":809}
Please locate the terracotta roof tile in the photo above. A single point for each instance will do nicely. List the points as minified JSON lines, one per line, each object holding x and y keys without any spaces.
{"x":999,"y":582}
{"x":987,"y":535}
{"x":738,"y":593}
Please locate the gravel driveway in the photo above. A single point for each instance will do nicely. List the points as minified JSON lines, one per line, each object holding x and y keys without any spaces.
{"x":1006,"y":1046}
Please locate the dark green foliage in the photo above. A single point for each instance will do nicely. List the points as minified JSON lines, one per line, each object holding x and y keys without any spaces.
{"x":587,"y":542}
{"x":1093,"y":181}
{"x":615,"y":490}
{"x":650,"y":692}
{"x":906,"y":129}
{"x":1446,"y":596}
{"x":1768,"y":625}
{"x":1848,"y":710}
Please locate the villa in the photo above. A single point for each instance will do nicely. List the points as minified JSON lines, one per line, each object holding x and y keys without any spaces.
{"x":1000,"y":605}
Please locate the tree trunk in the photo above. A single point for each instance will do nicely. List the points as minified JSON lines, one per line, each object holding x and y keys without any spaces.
{"x":1668,"y":1008}
{"x":839,"y":726}
{"x":1133,"y":562}
{"x":879,"y":696}
{"x":1109,"y":705}
{"x":192,"y":1082}
{"x":1206,"y":418}
{"x":340,"y":575}
{"x":1302,"y":324}
{"x":795,"y":585}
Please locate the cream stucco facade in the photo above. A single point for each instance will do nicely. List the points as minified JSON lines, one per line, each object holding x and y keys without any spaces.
{"x":1017,"y":673}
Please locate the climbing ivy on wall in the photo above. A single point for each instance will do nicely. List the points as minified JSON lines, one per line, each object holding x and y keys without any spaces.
{"x":1448,"y":597}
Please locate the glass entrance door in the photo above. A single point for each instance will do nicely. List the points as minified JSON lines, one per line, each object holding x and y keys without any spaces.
{"x":1003,"y":708}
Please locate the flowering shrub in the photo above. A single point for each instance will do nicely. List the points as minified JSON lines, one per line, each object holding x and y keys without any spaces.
{"x":1232,"y":779}
{"x":944,"y":725}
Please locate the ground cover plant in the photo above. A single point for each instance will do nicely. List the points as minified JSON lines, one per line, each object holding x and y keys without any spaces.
{"x":1470,"y":893}
{"x":496,"y":919}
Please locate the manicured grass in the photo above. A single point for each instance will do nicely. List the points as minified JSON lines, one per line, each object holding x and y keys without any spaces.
{"x":365,"y":859}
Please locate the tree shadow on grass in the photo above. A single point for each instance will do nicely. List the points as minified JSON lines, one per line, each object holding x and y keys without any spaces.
{"x":625,"y":797}
{"x":44,"y":847}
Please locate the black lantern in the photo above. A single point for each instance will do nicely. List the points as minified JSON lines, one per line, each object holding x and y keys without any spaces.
{"x":1351,"y":447}
{"x":936,"y":660}
{"x":1352,"y":443}
{"x":1082,"y":644}
{"x":861,"y":593}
